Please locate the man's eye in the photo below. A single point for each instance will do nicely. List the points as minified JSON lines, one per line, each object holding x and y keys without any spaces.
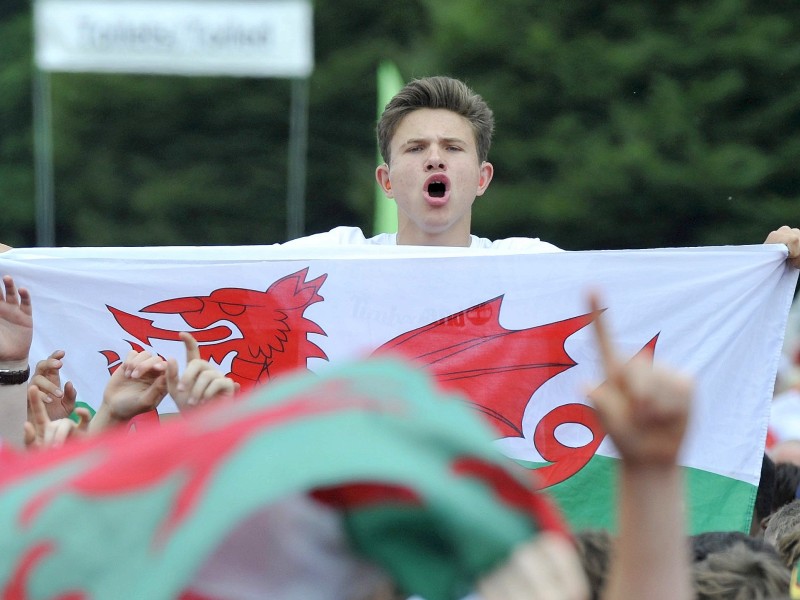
{"x":414,"y":149}
{"x":454,"y":148}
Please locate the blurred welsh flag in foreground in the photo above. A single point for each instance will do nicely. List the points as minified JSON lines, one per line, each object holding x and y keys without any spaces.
{"x":508,"y":333}
{"x":286,"y":485}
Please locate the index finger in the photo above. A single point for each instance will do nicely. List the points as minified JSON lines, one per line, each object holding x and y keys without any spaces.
{"x":38,"y":410}
{"x":607,"y":354}
{"x":192,"y":348}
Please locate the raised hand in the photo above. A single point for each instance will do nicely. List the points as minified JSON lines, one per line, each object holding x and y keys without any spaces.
{"x":43,"y":432}
{"x":16,"y":325}
{"x":200,"y":382}
{"x":644,"y":408}
{"x":58,"y":401}
{"x":137,"y":386}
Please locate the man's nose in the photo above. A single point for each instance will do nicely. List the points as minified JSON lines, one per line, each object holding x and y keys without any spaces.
{"x":434,"y":161}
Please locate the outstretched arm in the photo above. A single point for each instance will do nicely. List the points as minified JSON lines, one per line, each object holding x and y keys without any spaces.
{"x":16,"y":334}
{"x":645,"y":410}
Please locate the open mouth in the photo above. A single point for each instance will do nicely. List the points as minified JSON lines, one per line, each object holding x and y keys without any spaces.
{"x":436,"y":189}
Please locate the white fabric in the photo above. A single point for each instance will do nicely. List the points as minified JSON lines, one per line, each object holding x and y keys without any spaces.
{"x":339,"y":236}
{"x":720,"y":314}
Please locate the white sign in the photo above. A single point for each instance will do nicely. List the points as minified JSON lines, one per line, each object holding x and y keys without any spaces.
{"x":258,"y":38}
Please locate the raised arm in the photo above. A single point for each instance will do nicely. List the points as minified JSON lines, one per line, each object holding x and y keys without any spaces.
{"x":645,"y":410}
{"x":16,"y":334}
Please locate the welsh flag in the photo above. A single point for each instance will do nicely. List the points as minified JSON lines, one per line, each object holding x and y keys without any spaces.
{"x":509,"y":333}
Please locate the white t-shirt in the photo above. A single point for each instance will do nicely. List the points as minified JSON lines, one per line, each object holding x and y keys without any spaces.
{"x":346,"y":236}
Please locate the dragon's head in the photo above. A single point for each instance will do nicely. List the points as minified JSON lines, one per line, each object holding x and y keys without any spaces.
{"x":268,"y":321}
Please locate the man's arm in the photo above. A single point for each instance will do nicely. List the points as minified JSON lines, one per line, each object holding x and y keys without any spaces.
{"x":645,"y":410}
{"x":16,"y":334}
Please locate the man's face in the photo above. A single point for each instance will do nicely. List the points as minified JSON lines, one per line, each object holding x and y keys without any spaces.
{"x":434,"y":176}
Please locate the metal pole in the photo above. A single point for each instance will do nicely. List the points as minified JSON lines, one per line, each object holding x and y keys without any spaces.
{"x":43,"y":159}
{"x":298,"y":144}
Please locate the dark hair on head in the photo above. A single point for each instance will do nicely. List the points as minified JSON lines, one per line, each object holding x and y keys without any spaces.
{"x":437,"y":92}
{"x":594,"y":550}
{"x":740,"y":573}
{"x":787,"y":480}
{"x":782,"y":521}
{"x":766,"y":489}
{"x":708,"y":542}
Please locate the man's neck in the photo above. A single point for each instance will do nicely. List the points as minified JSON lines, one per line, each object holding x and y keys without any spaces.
{"x":447,"y":238}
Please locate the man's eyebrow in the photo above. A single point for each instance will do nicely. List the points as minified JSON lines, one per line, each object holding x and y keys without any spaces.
{"x":451,"y":140}
{"x":413,"y":141}
{"x":446,"y":140}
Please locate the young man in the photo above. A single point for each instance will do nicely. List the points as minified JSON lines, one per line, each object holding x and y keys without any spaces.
{"x":434,"y":137}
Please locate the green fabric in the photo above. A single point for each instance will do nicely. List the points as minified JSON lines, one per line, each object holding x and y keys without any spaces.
{"x":714,"y":502}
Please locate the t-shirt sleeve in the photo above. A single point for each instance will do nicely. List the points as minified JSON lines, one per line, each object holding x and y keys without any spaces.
{"x":338,"y":236}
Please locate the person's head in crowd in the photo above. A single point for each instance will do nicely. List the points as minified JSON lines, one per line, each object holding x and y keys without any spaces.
{"x":434,"y":136}
{"x":787,"y":451}
{"x":594,"y":550}
{"x":741,"y":573}
{"x":709,"y":542}
{"x":782,"y":521}
{"x":787,"y":481}
{"x":788,"y":547}
{"x":764,"y":496}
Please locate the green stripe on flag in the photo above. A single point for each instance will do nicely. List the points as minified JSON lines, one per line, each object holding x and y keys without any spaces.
{"x":716,"y":502}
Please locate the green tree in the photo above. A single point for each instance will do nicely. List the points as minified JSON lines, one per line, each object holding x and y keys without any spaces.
{"x":629,"y":124}
{"x":16,"y":140}
{"x":619,"y":124}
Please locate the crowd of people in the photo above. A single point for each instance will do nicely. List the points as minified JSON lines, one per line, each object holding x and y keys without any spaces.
{"x":435,"y":136}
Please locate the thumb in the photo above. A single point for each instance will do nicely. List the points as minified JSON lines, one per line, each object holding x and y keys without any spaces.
{"x":30,"y":435}
{"x":84,"y":416}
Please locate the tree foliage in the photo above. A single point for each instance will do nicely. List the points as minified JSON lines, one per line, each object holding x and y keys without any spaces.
{"x":619,"y":124}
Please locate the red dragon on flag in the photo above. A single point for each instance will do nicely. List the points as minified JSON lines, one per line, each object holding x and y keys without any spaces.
{"x":498,"y":369}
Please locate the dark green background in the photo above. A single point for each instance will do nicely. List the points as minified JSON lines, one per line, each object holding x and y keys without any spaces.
{"x":619,"y":124}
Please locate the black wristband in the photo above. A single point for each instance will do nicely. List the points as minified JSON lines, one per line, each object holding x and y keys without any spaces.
{"x":14,"y":377}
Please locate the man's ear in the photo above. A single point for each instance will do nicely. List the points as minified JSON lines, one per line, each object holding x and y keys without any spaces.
{"x":382,"y":177}
{"x":485,"y":178}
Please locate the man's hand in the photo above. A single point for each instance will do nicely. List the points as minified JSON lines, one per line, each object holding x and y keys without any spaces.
{"x":200,"y":382}
{"x":16,"y":325}
{"x":790,"y":237}
{"x":58,"y":402}
{"x":644,"y":408}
